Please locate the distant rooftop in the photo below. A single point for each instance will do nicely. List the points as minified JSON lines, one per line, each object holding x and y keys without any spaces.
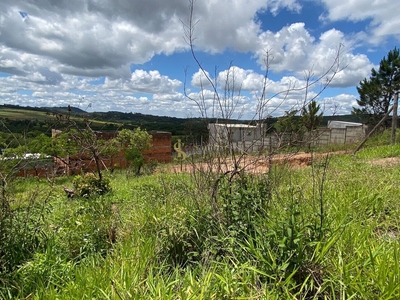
{"x":342,"y":124}
{"x":233,"y":125}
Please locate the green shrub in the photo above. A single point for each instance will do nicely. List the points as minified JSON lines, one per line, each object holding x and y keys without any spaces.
{"x":214,"y":232}
{"x":84,"y":228}
{"x":89,"y":185}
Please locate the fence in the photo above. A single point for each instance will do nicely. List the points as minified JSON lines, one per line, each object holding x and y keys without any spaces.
{"x":320,"y":137}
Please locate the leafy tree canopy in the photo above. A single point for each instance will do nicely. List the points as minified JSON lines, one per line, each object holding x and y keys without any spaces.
{"x":138,"y":139}
{"x":289,"y":123}
{"x":134,"y":142}
{"x":377,"y":92}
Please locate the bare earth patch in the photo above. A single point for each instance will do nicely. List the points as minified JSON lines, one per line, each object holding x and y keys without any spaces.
{"x":257,"y":165}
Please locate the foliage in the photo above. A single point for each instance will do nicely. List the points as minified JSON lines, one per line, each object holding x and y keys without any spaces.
{"x":21,"y":212}
{"x":89,"y":185}
{"x":377,"y":92}
{"x":134,"y":142}
{"x":260,"y":239}
{"x":45,"y":270}
{"x":137,"y":139}
{"x":290,"y":128}
{"x":21,"y":220}
{"x":85,"y":228}
{"x":135,"y":157}
{"x":289,"y":123}
{"x":310,"y":116}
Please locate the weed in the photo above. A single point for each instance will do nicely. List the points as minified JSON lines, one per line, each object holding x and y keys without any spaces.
{"x":89,"y":185}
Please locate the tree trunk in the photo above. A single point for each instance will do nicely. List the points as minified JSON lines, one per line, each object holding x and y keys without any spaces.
{"x":373,"y":130}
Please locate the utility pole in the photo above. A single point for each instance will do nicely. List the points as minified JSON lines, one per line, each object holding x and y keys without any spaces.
{"x":394,"y":118}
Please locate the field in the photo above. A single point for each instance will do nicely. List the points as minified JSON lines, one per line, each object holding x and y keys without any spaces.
{"x":29,"y":114}
{"x":22,"y":114}
{"x":327,"y":230}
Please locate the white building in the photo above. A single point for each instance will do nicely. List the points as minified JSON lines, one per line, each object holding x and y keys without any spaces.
{"x":223,"y":134}
{"x":342,"y":124}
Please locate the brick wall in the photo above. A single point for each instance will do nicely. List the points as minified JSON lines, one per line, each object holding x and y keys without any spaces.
{"x":161,"y":151}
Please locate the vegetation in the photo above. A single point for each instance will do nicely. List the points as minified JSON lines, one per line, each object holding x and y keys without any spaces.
{"x":30,"y":122}
{"x":311,"y":116}
{"x":134,"y":143}
{"x":37,"y":120}
{"x":377,"y":92}
{"x":220,"y":231}
{"x":327,"y":231}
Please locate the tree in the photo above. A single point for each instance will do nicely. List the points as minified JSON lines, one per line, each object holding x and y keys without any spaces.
{"x":293,"y":126}
{"x":289,"y":128}
{"x":134,"y":143}
{"x":310,"y":116}
{"x":288,"y":123}
{"x":377,"y":92}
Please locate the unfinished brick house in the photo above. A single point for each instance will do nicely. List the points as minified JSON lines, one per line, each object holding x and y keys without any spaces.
{"x":161,"y":152}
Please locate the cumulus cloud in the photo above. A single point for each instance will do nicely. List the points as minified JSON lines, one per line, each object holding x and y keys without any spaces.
{"x":57,"y":51}
{"x":151,"y":82}
{"x":97,"y":38}
{"x":91,"y":38}
{"x":294,"y":49}
{"x":339,"y":105}
{"x":247,"y":94}
{"x":287,"y":49}
{"x":382,"y":15}
{"x":201,"y":79}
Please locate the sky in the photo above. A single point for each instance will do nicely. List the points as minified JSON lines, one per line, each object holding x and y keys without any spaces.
{"x":263,"y":57}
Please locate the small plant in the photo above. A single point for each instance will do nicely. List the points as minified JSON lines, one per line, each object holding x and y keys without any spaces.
{"x":134,"y":143}
{"x":136,"y":159}
{"x":89,"y":185}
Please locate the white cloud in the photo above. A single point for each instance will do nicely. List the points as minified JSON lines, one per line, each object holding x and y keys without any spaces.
{"x":339,"y":105}
{"x":383,"y":15}
{"x":294,"y":49}
{"x":151,"y":82}
{"x":201,"y":79}
{"x":69,"y":48}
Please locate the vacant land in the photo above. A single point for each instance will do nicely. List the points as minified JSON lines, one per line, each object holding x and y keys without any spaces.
{"x":326,"y":230}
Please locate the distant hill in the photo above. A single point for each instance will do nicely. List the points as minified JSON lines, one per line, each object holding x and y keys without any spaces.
{"x":19,"y":118}
{"x":64,"y":110}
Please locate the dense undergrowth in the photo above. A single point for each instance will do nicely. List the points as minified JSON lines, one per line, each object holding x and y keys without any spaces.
{"x":327,"y":231}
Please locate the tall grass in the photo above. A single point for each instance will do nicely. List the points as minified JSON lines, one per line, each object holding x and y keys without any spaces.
{"x":327,"y":231}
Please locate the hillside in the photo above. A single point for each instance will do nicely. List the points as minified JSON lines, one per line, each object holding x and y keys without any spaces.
{"x":18,"y":119}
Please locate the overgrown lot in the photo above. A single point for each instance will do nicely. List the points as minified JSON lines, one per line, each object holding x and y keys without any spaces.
{"x":326,"y":231}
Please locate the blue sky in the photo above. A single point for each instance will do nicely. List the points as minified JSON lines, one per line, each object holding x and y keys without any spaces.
{"x":131,"y":55}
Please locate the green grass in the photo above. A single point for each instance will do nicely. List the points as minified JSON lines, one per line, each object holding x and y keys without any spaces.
{"x":172,"y":243}
{"x":22,"y":114}
{"x":26,"y":114}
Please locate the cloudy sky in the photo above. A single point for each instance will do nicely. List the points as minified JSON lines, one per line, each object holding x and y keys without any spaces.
{"x":132,"y":56}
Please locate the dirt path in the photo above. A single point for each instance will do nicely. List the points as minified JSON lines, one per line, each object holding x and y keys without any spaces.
{"x":256,"y":165}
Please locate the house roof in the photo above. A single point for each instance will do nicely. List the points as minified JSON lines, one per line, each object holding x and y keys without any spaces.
{"x":234,"y":125}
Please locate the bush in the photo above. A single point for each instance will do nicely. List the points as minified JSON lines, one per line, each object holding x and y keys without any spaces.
{"x":84,"y":228}
{"x":214,"y":232}
{"x":89,"y":185}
